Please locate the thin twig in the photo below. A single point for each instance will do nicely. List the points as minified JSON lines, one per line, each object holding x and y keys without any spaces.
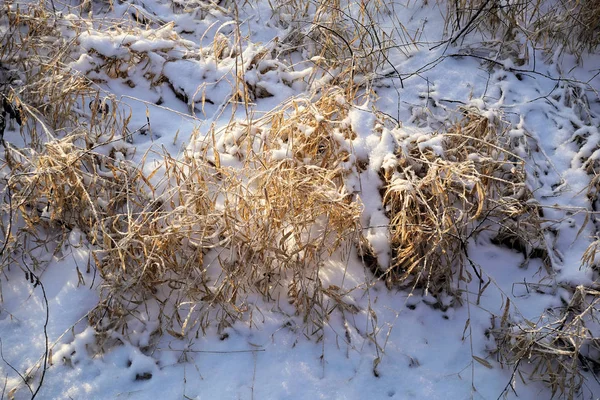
{"x":14,"y":369}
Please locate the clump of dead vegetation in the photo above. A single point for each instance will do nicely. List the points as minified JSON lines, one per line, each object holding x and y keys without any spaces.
{"x":344,"y":39}
{"x":53,"y":182}
{"x":443,"y":189}
{"x":32,"y":54}
{"x":221,"y":234}
{"x":560,"y":349}
{"x":66,"y":187}
{"x":553,"y":26}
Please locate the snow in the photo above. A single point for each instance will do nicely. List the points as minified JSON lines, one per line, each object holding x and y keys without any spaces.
{"x":395,"y":343}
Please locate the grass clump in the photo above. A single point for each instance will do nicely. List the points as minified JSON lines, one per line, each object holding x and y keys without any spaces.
{"x":33,"y":53}
{"x":570,"y":25}
{"x":281,"y":227}
{"x":255,"y":214}
{"x":560,"y":349}
{"x":443,"y":189}
{"x":344,"y":39}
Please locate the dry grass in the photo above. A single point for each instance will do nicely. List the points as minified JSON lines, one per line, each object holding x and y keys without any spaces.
{"x":566,"y":25}
{"x":282,"y":230}
{"x":343,"y":39}
{"x":267,"y":228}
{"x":66,"y":186}
{"x":156,"y":248}
{"x":35,"y":50}
{"x":55,"y":183}
{"x":558,"y":349}
{"x":271,"y":225}
{"x":445,"y":190}
{"x":256,"y":211}
{"x":268,"y":231}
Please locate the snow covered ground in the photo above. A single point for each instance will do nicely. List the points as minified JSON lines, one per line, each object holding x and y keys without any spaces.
{"x":176,"y":80}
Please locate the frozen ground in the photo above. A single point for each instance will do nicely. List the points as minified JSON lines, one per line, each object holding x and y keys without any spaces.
{"x":393,"y":343}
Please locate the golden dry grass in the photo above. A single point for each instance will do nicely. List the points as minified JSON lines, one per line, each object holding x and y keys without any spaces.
{"x":270,"y":226}
{"x":439,"y":198}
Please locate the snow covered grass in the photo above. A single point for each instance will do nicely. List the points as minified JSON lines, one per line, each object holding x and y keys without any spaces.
{"x":266,"y":227}
{"x":557,"y":347}
{"x":442,"y":189}
{"x":549,"y":25}
{"x":206,"y":182}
